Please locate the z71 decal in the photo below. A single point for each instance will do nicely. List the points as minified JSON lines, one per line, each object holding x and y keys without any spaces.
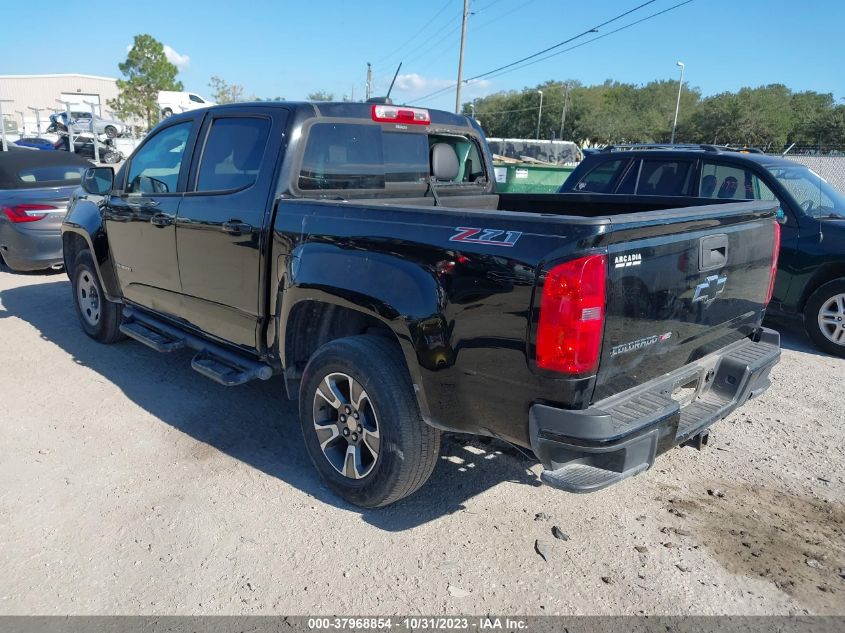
{"x":489,"y":237}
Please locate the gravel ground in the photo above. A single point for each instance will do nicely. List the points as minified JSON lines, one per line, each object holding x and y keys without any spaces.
{"x":129,"y":484}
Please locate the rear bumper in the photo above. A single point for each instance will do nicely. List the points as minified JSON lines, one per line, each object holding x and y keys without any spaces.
{"x":590,"y":449}
{"x":28,"y":249}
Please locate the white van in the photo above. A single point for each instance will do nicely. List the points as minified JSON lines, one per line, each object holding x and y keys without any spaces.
{"x":170,"y":102}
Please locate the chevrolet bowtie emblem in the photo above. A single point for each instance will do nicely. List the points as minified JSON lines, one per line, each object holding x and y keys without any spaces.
{"x":707,"y":291}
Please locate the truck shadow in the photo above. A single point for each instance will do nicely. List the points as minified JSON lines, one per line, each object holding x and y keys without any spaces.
{"x":793,"y":337}
{"x":254,"y":423}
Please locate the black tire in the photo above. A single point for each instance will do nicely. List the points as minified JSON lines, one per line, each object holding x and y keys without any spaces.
{"x":101,"y":321}
{"x":408,"y":448}
{"x":111,"y":131}
{"x":166,"y":113}
{"x":825,"y":298}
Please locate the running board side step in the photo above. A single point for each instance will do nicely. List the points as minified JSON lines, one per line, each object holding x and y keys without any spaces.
{"x":212,"y":361}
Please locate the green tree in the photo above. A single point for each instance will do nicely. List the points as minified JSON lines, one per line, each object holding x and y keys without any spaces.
{"x":224,"y":92}
{"x":320,"y":95}
{"x":146,"y":71}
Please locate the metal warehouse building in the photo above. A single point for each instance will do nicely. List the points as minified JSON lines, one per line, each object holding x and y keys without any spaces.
{"x":43,"y":91}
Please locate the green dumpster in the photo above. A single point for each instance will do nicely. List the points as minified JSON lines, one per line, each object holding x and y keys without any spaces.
{"x":529,"y":177}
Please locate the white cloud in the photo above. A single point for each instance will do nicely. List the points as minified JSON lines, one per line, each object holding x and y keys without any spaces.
{"x":180,"y":61}
{"x":414,"y":85}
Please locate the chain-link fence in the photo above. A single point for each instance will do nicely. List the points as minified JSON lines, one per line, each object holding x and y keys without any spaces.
{"x":829,"y":167}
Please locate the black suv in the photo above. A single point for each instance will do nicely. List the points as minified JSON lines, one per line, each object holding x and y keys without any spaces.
{"x":810,"y":283}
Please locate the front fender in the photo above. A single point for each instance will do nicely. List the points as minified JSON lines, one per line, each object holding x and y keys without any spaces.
{"x":85,"y":218}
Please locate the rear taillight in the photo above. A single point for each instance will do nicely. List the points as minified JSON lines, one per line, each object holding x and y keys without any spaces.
{"x":26,"y":212}
{"x":572,"y":316}
{"x":774,"y":270}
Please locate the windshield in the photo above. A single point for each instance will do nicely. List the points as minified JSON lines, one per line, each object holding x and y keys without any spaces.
{"x":816,"y":197}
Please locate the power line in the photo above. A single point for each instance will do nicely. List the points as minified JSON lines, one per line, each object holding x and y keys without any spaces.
{"x":621,"y":28}
{"x":415,"y":35}
{"x":567,"y":41}
{"x":509,"y":67}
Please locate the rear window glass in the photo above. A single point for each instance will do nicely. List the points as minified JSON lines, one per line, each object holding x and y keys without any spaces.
{"x":70,"y":174}
{"x":354,"y":156}
{"x":599,"y":179}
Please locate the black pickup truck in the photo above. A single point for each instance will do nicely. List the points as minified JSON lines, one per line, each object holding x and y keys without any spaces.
{"x":361,"y":252}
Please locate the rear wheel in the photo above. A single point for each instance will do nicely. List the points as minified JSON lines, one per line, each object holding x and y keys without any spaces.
{"x":111,"y":131}
{"x":99,"y":317}
{"x":361,"y":423}
{"x":166,"y":113}
{"x":824,"y":317}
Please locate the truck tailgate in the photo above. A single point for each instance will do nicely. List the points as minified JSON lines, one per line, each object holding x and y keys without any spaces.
{"x":681,"y":284}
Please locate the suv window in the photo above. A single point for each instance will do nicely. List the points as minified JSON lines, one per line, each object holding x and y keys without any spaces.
{"x":657,"y":177}
{"x":361,"y":156}
{"x":155,"y":168}
{"x":731,"y":182}
{"x":599,"y":179}
{"x":233,"y":152}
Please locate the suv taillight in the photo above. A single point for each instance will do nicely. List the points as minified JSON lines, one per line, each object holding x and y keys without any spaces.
{"x":26,"y":212}
{"x":572,"y":316}
{"x":774,"y":270}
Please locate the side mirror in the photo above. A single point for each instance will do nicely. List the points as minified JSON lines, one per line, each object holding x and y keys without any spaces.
{"x":98,"y":180}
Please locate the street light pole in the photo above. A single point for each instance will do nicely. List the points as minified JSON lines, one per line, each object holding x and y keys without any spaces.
{"x":678,"y":102}
{"x":539,"y":113}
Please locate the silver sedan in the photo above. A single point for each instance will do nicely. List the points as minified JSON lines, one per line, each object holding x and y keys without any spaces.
{"x":34,"y":191}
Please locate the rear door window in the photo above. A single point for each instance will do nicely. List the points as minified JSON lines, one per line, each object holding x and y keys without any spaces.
{"x":731,"y":182}
{"x":661,"y":177}
{"x":601,"y":178}
{"x":233,"y":152}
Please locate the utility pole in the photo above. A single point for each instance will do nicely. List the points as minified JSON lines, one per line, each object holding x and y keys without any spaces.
{"x":94,"y":130}
{"x":369,"y":80}
{"x":563,"y":114}
{"x":37,"y":120}
{"x":678,"y":102}
{"x":461,"y":58}
{"x":70,"y":146}
{"x":3,"y":124}
{"x":539,"y":113}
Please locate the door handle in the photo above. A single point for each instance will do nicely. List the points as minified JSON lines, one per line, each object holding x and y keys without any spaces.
{"x":235,"y":227}
{"x":713,"y":252}
{"x":160,"y":219}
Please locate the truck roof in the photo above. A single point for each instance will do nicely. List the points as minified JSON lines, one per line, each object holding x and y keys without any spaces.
{"x":336,"y":109}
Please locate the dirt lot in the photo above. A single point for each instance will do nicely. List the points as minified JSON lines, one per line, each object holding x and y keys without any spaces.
{"x":130,"y":484}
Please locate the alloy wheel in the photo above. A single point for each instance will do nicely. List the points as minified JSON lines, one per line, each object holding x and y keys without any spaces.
{"x":346,"y":425}
{"x":832,"y":319}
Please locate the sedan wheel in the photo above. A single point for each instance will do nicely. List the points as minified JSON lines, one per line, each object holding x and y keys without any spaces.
{"x":824,"y":317}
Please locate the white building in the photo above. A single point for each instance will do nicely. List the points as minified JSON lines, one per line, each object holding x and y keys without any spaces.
{"x":44,"y":92}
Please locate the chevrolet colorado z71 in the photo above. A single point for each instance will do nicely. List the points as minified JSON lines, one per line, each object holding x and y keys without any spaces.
{"x":361,"y":252}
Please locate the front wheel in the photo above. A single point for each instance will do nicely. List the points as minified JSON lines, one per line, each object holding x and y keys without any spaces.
{"x":99,"y":317}
{"x":361,"y":423}
{"x":824,"y":317}
{"x":111,"y":131}
{"x":167,"y":112}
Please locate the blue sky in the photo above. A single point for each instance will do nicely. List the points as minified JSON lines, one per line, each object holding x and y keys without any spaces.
{"x":289,"y":49}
